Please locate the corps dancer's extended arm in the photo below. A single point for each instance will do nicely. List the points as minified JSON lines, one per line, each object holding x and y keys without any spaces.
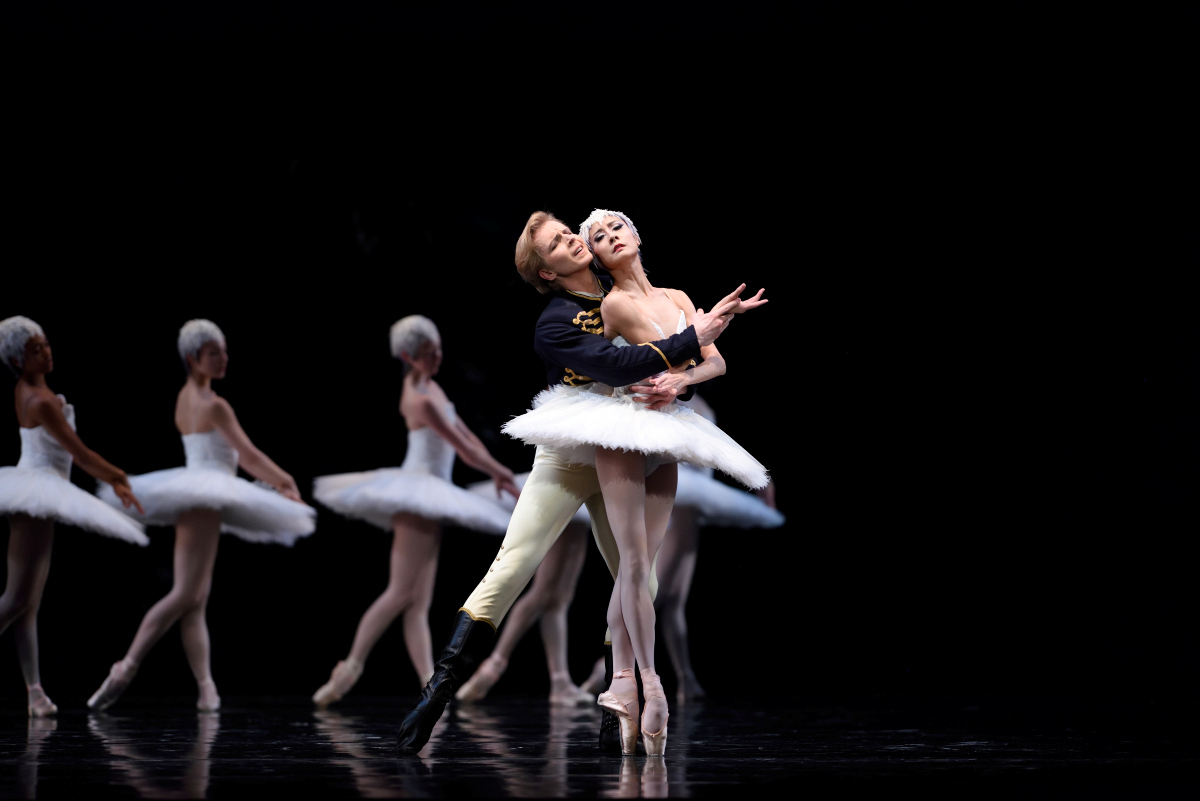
{"x":250,"y":458}
{"x":48,"y":414}
{"x":468,"y":446}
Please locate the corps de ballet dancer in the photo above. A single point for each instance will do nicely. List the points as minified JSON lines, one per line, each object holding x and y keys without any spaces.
{"x":546,"y":603}
{"x":569,"y":339}
{"x":700,"y":500}
{"x":38,"y":492}
{"x":635,"y":452}
{"x":413,"y":501}
{"x":201,"y":500}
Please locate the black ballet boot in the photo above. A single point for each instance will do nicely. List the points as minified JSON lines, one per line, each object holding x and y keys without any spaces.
{"x":610,"y":727}
{"x":470,"y":643}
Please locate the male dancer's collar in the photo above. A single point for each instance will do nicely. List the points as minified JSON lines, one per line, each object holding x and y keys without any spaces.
{"x":602,"y":289}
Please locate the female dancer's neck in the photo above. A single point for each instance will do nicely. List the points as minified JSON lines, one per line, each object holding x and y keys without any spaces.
{"x":201,"y":382}
{"x":34,"y":380}
{"x":632,"y":278}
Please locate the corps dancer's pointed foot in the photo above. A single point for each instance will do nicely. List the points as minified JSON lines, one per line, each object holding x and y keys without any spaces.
{"x":40,"y":705}
{"x":342,"y":678}
{"x":119,"y":678}
{"x":482,"y":680}
{"x":689,"y":690}
{"x":656,"y":706}
{"x":598,"y":681}
{"x":565,"y":693}
{"x":208,"y":701}
{"x":469,"y":642}
{"x":623,"y":704}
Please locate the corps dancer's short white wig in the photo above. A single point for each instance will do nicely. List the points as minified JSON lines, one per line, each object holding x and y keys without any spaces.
{"x":194,"y":335}
{"x":598,"y":215}
{"x":410,"y":333}
{"x":15,"y":332}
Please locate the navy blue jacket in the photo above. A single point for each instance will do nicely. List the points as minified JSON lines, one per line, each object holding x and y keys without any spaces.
{"x":570,"y":339}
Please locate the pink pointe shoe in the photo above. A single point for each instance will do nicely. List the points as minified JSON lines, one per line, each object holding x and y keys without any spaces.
{"x":655,"y":743}
{"x":344,"y":676}
{"x":40,"y":705}
{"x":619,"y":704}
{"x":119,"y":678}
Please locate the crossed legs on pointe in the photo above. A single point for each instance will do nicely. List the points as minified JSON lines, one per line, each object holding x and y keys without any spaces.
{"x":639,"y":508}
{"x":416,"y":542}
{"x":546,"y":602}
{"x":676,"y":567}
{"x":197,"y":534}
{"x":30,"y":542}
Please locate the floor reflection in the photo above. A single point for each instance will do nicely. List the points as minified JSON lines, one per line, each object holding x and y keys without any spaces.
{"x":159,"y":769}
{"x":27,"y":764}
{"x":370,"y":757}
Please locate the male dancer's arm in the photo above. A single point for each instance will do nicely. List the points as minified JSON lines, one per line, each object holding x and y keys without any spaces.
{"x":594,"y":357}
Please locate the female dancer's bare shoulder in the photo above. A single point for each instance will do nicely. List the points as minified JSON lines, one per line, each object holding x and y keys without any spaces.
{"x":199,"y":410}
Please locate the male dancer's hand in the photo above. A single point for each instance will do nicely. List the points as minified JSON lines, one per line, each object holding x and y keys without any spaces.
{"x":652,"y":396}
{"x":709,"y":325}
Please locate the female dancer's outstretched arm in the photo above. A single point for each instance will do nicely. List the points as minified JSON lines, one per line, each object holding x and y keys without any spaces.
{"x":250,"y":458}
{"x":46,"y":411}
{"x":469,"y":448}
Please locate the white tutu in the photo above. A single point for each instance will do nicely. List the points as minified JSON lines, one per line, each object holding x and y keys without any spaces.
{"x":420,"y":485}
{"x":40,"y":486}
{"x":209,"y":481}
{"x":718,"y":504}
{"x":487,"y":489}
{"x":577,"y":421}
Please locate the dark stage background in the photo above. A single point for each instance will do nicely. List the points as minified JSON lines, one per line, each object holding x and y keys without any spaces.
{"x":983,"y":438}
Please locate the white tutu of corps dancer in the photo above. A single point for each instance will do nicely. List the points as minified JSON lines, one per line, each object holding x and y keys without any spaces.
{"x":420,"y":485}
{"x":576,"y":421}
{"x":718,"y":504}
{"x":209,"y":480}
{"x":487,"y":489}
{"x":40,"y":486}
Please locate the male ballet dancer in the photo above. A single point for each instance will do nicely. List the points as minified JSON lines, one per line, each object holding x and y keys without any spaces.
{"x":569,"y":337}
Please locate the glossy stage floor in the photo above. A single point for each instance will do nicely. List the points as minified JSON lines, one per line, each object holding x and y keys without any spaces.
{"x":515,"y":747}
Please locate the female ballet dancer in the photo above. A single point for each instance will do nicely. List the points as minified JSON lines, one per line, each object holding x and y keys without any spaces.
{"x":545,"y":602}
{"x":201,"y":500}
{"x":413,"y":501}
{"x":700,"y":500}
{"x":38,"y":492}
{"x":635,"y":451}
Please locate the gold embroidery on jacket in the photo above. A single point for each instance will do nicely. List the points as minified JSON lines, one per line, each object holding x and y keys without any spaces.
{"x":590,"y":322}
{"x":572,"y":377}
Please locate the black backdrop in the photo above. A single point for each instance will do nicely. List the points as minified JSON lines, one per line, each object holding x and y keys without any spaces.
{"x":981,"y":424}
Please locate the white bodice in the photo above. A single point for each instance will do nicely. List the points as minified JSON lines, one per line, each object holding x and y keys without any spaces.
{"x":211,"y":451}
{"x":41,"y":451}
{"x":429,"y":453}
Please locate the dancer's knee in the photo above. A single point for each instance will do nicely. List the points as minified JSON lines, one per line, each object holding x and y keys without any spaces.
{"x":13,"y":606}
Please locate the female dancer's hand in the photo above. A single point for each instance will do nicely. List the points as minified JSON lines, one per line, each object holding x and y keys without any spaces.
{"x":651,"y":395}
{"x":505,"y":483}
{"x":288,"y":489}
{"x":672,"y":383}
{"x":121,"y":487}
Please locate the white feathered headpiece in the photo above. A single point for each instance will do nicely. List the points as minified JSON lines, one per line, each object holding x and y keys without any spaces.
{"x":409,"y":333}
{"x":15,"y":332}
{"x":598,"y":215}
{"x":194,"y":334}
